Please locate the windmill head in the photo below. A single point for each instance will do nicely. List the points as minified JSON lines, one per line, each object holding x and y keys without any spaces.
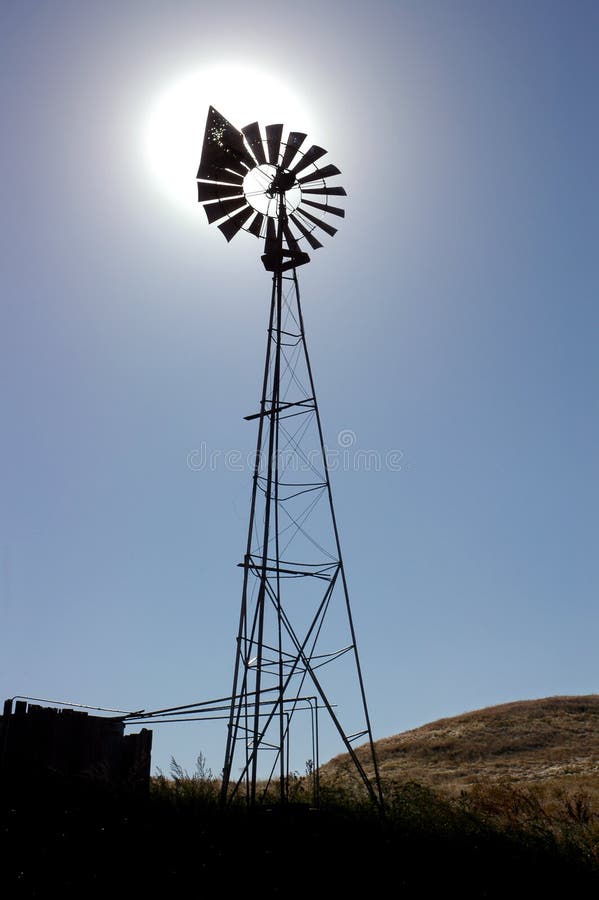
{"x":266,"y":186}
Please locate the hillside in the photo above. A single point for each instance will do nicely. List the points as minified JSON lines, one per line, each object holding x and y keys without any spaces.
{"x":554,"y":740}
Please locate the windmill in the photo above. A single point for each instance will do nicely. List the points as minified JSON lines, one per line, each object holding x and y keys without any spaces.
{"x":296,"y":644}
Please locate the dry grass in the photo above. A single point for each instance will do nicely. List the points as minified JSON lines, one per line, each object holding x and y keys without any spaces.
{"x":551,"y":744}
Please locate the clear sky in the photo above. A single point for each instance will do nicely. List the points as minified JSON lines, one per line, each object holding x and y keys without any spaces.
{"x":453,"y":319}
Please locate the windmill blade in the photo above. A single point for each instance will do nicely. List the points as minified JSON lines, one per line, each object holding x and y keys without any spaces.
{"x":324,"y":225}
{"x":273,"y":139}
{"x":238,"y":167}
{"x":326,"y":172}
{"x":326,"y":208}
{"x":220,"y":173}
{"x":294,"y":142}
{"x":255,"y":226}
{"x":333,"y":191}
{"x":222,"y":148}
{"x":231,"y":226}
{"x":309,"y":157}
{"x":216,"y":211}
{"x":212,"y":191}
{"x":254,"y":139}
{"x":314,"y":242}
{"x":289,"y":237}
{"x":222,"y":177}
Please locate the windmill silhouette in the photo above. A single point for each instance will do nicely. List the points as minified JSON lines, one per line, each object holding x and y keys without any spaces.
{"x":296,"y":643}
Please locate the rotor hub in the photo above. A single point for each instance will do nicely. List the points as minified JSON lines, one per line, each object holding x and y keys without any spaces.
{"x":282,"y":182}
{"x":266,"y":184}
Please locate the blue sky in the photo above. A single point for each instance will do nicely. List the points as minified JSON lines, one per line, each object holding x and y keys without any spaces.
{"x":452,"y":319}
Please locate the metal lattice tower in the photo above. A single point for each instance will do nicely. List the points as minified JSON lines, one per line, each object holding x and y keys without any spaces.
{"x":296,"y":643}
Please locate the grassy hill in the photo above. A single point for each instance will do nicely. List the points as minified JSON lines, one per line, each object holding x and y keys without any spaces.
{"x":551,"y":743}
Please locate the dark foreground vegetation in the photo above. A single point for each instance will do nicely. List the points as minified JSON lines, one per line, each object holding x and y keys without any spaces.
{"x":175,"y":842}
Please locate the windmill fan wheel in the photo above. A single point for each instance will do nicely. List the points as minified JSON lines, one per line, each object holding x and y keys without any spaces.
{"x":250,"y":182}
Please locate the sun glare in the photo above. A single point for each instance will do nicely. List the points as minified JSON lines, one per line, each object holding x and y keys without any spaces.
{"x":175,"y":127}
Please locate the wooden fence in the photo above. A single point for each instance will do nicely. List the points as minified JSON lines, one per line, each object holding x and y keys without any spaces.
{"x":46,"y":742}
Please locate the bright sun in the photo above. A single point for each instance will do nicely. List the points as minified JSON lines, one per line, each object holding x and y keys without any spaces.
{"x":175,"y":127}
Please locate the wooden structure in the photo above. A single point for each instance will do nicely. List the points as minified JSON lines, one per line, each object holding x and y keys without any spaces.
{"x":43,"y":742}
